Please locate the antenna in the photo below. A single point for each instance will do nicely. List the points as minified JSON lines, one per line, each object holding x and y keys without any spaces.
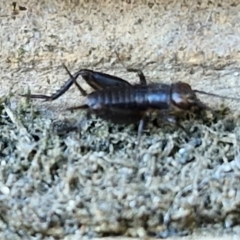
{"x":215,"y":95}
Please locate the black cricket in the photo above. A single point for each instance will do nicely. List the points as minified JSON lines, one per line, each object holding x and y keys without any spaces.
{"x":117,"y":100}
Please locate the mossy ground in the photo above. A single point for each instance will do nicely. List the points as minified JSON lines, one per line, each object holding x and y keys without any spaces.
{"x":88,"y":182}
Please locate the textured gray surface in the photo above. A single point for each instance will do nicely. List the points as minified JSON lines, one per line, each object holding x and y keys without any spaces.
{"x":78,"y":183}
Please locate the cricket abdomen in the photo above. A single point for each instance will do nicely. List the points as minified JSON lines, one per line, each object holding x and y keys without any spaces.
{"x":139,"y":97}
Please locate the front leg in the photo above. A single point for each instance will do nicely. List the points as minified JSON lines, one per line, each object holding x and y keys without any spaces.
{"x":167,"y":117}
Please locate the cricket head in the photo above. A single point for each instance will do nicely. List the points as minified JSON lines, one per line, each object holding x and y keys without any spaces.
{"x":184,"y":97}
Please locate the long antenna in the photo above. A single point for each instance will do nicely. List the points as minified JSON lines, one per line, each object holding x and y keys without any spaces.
{"x":215,"y":95}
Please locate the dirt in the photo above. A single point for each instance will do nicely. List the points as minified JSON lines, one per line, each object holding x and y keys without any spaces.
{"x":194,"y":42}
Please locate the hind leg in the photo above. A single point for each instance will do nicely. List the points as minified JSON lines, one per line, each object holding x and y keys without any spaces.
{"x":96,"y":80}
{"x":61,"y":91}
